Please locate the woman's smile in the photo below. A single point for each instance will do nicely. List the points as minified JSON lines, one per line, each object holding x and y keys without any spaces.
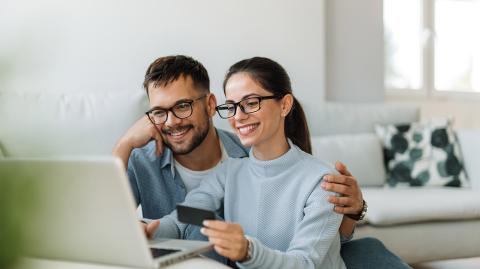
{"x":247,"y":129}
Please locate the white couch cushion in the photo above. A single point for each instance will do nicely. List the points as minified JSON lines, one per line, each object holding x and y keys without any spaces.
{"x":355,"y":118}
{"x":39,"y":124}
{"x":361,"y":153}
{"x":412,"y":205}
{"x":470,"y":145}
{"x":427,"y":241}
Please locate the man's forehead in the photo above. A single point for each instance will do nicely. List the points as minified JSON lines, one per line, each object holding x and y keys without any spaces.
{"x":171,"y":93}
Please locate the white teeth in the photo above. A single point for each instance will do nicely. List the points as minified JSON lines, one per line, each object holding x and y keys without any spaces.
{"x":178,"y":133}
{"x":247,"y":129}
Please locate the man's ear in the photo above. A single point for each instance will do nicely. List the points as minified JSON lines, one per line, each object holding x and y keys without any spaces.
{"x":287,"y":104}
{"x":211,"y":104}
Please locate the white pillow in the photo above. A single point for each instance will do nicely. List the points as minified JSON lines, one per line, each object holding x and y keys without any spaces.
{"x":470,"y":145}
{"x":361,"y":153}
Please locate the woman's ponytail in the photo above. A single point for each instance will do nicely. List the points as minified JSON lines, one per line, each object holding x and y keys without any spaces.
{"x":296,"y":127}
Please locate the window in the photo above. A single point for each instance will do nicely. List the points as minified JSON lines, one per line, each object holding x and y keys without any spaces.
{"x":432,"y":46}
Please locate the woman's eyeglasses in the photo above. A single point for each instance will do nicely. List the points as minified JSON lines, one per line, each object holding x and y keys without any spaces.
{"x":247,"y":105}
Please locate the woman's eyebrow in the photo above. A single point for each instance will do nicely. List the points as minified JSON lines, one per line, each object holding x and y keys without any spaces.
{"x":243,"y":98}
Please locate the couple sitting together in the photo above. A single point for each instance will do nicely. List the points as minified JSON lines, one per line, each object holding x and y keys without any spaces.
{"x":282,"y":208}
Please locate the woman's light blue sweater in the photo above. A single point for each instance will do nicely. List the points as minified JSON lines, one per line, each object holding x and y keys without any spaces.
{"x":280,"y":205}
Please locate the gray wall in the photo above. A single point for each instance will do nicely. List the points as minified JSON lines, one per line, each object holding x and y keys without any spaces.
{"x":354,"y":49}
{"x":88,"y":45}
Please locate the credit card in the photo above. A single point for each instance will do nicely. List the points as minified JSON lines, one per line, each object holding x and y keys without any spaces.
{"x":192,"y":215}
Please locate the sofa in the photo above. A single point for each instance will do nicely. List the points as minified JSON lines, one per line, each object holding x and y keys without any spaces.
{"x":419,"y":224}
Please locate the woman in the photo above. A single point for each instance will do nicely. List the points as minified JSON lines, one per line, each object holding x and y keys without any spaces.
{"x":277,"y":215}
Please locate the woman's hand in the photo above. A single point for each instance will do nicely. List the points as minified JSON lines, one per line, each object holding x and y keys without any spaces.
{"x":150,"y":228}
{"x":228,"y":239}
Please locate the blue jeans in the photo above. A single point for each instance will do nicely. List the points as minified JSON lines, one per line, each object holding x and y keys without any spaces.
{"x":370,"y":253}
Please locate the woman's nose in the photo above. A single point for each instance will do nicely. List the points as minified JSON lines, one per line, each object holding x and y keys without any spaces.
{"x":239,"y":114}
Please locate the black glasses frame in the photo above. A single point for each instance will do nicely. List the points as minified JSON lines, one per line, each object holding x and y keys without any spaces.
{"x":171,"y":109}
{"x":238,"y":104}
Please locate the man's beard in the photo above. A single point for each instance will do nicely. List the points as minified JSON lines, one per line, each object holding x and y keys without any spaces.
{"x":187,"y":146}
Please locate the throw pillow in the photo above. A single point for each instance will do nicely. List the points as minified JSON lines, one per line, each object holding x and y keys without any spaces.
{"x":419,"y":154}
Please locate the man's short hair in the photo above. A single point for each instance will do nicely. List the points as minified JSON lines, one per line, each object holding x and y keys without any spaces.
{"x":168,"y":69}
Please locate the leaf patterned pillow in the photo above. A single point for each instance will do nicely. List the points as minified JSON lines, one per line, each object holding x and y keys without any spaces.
{"x":419,"y":154}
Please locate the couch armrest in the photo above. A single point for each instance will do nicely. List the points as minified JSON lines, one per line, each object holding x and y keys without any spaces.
{"x":470,"y":145}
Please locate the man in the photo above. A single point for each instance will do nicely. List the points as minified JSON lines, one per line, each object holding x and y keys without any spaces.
{"x":180,"y":117}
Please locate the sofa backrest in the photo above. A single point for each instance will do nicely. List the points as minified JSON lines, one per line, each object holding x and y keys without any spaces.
{"x":46,"y":124}
{"x":353,"y":118}
{"x":347,"y":135}
{"x":361,"y":153}
{"x":50,"y":124}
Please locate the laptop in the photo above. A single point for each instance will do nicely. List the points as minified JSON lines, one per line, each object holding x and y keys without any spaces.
{"x":84,"y":211}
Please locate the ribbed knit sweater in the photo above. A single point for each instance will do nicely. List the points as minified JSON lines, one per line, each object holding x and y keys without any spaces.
{"x":279,"y":204}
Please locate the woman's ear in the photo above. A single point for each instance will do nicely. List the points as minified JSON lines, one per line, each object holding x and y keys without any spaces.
{"x":211,"y":104}
{"x":287,"y":104}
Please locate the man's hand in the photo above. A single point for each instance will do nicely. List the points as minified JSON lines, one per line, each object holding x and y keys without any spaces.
{"x":150,"y":228}
{"x":142,"y":132}
{"x":351,"y":201}
{"x":228,"y":239}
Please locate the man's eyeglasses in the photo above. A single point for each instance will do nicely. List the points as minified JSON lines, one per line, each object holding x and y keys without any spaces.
{"x":181,"y":110}
{"x":247,"y":105}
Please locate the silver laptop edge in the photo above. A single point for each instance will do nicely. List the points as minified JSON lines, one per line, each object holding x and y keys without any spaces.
{"x":85,"y":211}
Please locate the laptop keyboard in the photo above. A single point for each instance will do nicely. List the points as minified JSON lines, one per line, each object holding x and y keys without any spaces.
{"x":159,"y":252}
